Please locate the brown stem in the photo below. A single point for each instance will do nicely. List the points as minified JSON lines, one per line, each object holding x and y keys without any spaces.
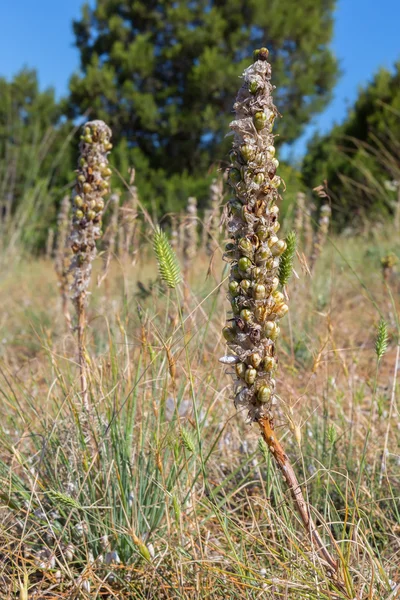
{"x":277,"y":451}
{"x":80,"y":305}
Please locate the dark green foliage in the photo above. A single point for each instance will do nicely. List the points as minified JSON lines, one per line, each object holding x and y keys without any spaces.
{"x":287,"y":258}
{"x":34,"y":153}
{"x":357,"y":157}
{"x":164,"y":74}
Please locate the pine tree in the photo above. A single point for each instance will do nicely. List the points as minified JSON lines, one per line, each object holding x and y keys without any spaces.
{"x":163,"y":72}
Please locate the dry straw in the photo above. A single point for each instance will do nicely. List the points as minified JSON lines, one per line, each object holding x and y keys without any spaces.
{"x":255,"y":256}
{"x":62,"y":254}
{"x":88,"y":205}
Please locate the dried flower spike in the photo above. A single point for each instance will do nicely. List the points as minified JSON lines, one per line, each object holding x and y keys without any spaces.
{"x":255,"y":254}
{"x":255,"y":250}
{"x":88,"y":205}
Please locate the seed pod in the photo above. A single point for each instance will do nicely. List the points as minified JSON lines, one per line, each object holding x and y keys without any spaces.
{"x":278,"y":248}
{"x":248,"y":152}
{"x":250,"y":376}
{"x":271,"y":151}
{"x":246,"y":247}
{"x":255,"y":360}
{"x":259,"y":178}
{"x":269,"y":364}
{"x":281,"y":310}
{"x":262,"y":254}
{"x":246,"y":315}
{"x":278,"y":297}
{"x":234,"y":288}
{"x":253,"y":87}
{"x":264,"y":394}
{"x":271,"y":330}
{"x":78,"y":201}
{"x":244,"y":264}
{"x":262,"y":234}
{"x":245,"y":284}
{"x":259,"y":291}
{"x":260,"y":120}
{"x":240,"y":369}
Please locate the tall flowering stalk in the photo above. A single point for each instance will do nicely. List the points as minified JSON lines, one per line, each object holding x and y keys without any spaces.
{"x":254,"y":253}
{"x":92,"y":185}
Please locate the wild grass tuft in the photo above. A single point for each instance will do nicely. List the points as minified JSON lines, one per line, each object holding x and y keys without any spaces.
{"x":168,"y":264}
{"x":287,"y":258}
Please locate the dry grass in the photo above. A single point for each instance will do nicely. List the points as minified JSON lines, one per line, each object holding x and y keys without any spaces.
{"x":192,"y":504}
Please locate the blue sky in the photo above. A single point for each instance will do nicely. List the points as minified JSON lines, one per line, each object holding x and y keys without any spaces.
{"x":38,"y":33}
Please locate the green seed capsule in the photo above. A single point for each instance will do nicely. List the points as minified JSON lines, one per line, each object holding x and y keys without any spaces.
{"x":272,"y":240}
{"x":246,"y":315}
{"x":257,"y":273}
{"x":253,"y":87}
{"x":259,"y":178}
{"x":88,"y":139}
{"x":246,"y":246}
{"x":87,"y":188}
{"x":271,"y":151}
{"x":276,"y":227}
{"x":262,"y":234}
{"x":269,"y":364}
{"x":248,"y":152}
{"x":244,"y":264}
{"x":278,"y":297}
{"x":256,"y":360}
{"x":259,"y":291}
{"x":234,"y":288}
{"x":271,"y":330}
{"x":276,"y":182}
{"x":81,"y":178}
{"x":79,"y":214}
{"x":264,"y":394}
{"x":108,"y":147}
{"x":106,"y":172}
{"x":103,"y":185}
{"x":91,"y":215}
{"x":99,"y":205}
{"x":250,"y":376}
{"x":278,"y":248}
{"x":234,"y":176}
{"x":275,"y":162}
{"x":262,"y":254}
{"x":240,"y":369}
{"x":245,"y":284}
{"x":281,"y":310}
{"x":229,"y":334}
{"x":275,"y":283}
{"x":260,"y":120}
{"x":260,"y":313}
{"x":78,"y":201}
{"x":260,"y":54}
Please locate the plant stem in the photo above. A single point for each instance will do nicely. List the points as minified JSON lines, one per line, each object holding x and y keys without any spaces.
{"x":281,"y":459}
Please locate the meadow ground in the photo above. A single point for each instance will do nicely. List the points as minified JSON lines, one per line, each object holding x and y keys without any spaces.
{"x":162,"y":490}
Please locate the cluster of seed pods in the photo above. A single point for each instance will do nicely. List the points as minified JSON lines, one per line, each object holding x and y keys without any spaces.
{"x":255,"y":250}
{"x":88,"y":203}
